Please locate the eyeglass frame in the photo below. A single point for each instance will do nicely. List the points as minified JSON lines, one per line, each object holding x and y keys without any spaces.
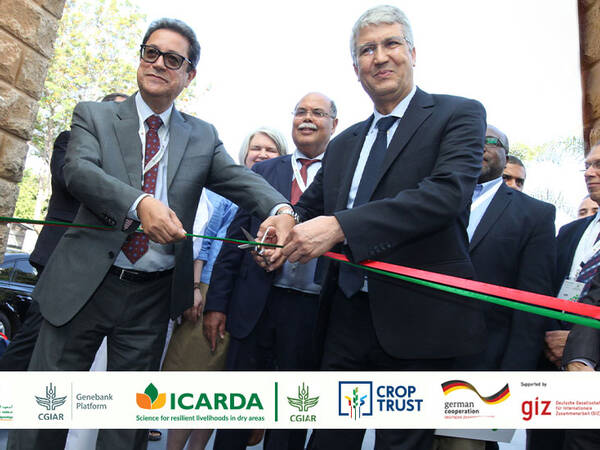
{"x":497,"y":144}
{"x":143,"y":48}
{"x":318,"y":113}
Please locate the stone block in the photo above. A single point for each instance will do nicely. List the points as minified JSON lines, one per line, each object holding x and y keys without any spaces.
{"x":13,"y":152}
{"x":34,"y":25}
{"x":55,"y":7}
{"x":590,"y":44}
{"x":32,"y":74}
{"x":17,"y":111}
{"x":11,"y":52}
{"x":9,"y":191}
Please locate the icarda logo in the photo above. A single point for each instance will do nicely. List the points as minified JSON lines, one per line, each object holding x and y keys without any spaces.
{"x":151,"y":399}
{"x":304,"y":402}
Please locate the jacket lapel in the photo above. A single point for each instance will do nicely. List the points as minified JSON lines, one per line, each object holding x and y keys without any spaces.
{"x":419,"y":109}
{"x":179,"y":135}
{"x":126,"y":128}
{"x":501,"y":200}
{"x":284,"y":180}
{"x":347,"y":166}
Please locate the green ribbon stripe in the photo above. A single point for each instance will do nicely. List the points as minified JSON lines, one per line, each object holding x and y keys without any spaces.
{"x":586,"y":321}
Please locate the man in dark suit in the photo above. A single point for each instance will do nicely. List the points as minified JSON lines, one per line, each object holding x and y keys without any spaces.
{"x":255,"y":306}
{"x":62,"y":207}
{"x":131,"y":162}
{"x":512,"y":244}
{"x":394,"y":188}
{"x":577,"y":242}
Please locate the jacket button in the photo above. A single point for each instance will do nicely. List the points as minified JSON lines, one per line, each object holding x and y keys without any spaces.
{"x":111,"y":255}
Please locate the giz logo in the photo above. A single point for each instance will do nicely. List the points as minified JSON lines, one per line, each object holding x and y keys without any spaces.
{"x":536,"y":407}
{"x":151,"y":399}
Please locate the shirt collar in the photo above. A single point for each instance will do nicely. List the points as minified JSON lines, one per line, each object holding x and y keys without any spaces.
{"x":488,"y":185}
{"x":144,"y":111}
{"x":298,"y":154}
{"x":400,"y":108}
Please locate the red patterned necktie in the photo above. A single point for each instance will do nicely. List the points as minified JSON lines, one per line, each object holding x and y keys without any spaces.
{"x":296,"y":192}
{"x":136,"y":244}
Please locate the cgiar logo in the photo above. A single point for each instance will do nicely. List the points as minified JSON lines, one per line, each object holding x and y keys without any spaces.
{"x":304,"y":402}
{"x":151,"y":399}
{"x":50,"y":402}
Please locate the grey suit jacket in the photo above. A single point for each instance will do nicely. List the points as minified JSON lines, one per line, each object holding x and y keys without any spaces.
{"x":104,"y":171}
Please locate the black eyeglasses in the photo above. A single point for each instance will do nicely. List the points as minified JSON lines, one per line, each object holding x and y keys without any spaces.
{"x":172,"y":60}
{"x":494,"y":142}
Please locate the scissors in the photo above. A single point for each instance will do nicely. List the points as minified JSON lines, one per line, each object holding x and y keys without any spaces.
{"x":256,"y":248}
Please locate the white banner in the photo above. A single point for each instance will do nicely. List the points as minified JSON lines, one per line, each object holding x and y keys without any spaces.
{"x":443,"y":400}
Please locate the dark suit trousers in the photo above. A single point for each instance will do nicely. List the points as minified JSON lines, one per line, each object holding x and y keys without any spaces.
{"x":134,"y":317}
{"x":281,"y":340}
{"x":351,"y":344}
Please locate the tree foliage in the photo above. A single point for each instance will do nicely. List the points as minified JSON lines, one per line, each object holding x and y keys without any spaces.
{"x":28,"y":190}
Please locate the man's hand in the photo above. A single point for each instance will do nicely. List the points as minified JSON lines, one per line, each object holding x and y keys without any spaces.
{"x":554,"y":345}
{"x":214,"y":326}
{"x":311,"y":239}
{"x":276,"y":229}
{"x":160,"y":223}
{"x":192,"y":313}
{"x":579,"y":367}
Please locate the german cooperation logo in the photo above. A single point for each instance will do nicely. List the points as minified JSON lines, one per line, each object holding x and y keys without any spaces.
{"x":303,"y":403}
{"x":50,"y":402}
{"x":467,"y":409}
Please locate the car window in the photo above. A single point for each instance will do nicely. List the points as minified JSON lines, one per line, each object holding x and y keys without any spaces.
{"x":5,"y":270}
{"x":24,"y":272}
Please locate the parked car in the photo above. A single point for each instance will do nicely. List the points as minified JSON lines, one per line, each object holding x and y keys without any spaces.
{"x":17,"y":280}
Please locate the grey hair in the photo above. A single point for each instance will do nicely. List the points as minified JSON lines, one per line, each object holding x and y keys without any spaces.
{"x":271,"y":133}
{"x":183,"y":29}
{"x":381,"y":14}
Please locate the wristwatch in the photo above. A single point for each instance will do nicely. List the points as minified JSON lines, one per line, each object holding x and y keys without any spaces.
{"x":196,"y":285}
{"x":290,"y":212}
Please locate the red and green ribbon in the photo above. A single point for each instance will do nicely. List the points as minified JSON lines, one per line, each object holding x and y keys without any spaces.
{"x":531,"y":302}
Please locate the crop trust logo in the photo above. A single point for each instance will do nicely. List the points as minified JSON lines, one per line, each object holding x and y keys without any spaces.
{"x":151,"y":399}
{"x":50,"y":402}
{"x":467,"y":408}
{"x":355,"y":399}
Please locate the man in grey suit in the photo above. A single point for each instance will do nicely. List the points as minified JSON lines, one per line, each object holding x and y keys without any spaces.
{"x":137,"y":161}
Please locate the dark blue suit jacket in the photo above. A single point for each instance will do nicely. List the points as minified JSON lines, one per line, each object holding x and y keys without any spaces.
{"x":514,"y":246}
{"x":416,"y":217}
{"x":238,"y":286}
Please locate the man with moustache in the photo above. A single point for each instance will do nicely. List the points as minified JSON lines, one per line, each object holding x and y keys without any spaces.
{"x":120,"y":283}
{"x":272,"y":313}
{"x":394,"y":188}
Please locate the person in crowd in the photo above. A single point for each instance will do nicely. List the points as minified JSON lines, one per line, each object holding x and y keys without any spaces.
{"x":188,"y":350}
{"x":256,"y":307}
{"x":136,"y":162}
{"x":393,"y":188}
{"x":62,"y":207}
{"x":577,"y":246}
{"x":514,"y":173}
{"x":511,"y":243}
{"x":587,"y":208}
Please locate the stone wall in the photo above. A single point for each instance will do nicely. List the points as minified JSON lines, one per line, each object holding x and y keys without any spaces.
{"x":589,"y":45}
{"x":27,"y":33}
